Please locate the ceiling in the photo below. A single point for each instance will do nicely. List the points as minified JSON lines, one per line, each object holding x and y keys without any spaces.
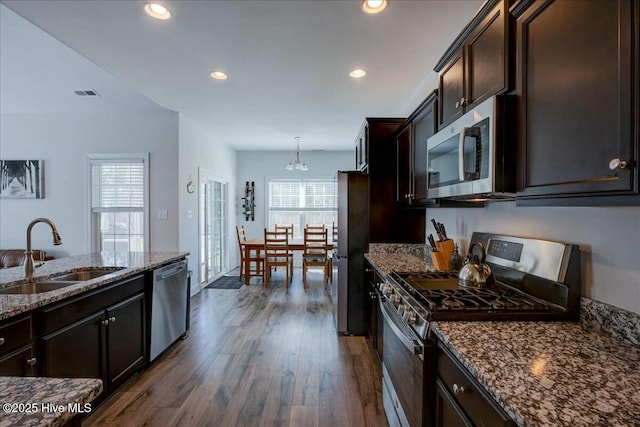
{"x":288,"y":63}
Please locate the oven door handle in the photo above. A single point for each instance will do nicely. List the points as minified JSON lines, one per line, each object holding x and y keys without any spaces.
{"x":405,"y":337}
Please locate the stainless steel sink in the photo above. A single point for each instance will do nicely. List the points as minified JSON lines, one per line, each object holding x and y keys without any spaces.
{"x":58,"y":282}
{"x":35,"y":288}
{"x":82,"y":275}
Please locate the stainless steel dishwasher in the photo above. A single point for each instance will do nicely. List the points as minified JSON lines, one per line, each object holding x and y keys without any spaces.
{"x":169,"y":306}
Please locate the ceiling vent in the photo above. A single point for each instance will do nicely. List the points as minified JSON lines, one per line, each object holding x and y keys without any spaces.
{"x":91,"y":92}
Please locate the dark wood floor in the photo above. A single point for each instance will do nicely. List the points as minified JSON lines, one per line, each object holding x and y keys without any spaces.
{"x":256,"y":357}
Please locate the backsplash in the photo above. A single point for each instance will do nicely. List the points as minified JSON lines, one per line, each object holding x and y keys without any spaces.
{"x":617,"y":322}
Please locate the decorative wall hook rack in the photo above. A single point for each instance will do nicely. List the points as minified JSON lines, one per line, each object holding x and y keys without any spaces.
{"x":249,"y":201}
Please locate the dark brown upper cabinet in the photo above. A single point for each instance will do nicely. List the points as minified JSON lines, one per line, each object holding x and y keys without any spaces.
{"x":476,"y":66}
{"x":388,"y":222}
{"x":577,"y":85}
{"x":411,"y":147}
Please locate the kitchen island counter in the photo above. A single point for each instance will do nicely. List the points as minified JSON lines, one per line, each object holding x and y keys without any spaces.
{"x":31,"y":402}
{"x":129,"y":264}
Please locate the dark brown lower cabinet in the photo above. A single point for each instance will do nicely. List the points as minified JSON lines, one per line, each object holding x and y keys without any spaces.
{"x":107,"y":342}
{"x":77,"y":350}
{"x":20,"y":363}
{"x":17,"y":356}
{"x":125,"y":340}
{"x":460,"y":399}
{"x":374,"y":317}
{"x":448,"y":413}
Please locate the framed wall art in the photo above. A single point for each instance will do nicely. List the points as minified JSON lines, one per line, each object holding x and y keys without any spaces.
{"x":21,"y":179}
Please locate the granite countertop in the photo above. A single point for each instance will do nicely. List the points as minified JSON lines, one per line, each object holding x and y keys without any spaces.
{"x":32,"y":401}
{"x":550,"y":373}
{"x":384,"y":263}
{"x":131,"y":263}
{"x":542,"y":373}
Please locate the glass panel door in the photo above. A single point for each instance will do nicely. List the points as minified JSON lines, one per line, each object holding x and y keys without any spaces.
{"x":213,"y":247}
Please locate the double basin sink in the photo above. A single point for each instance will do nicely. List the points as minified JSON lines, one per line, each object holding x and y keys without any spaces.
{"x":60,"y":281}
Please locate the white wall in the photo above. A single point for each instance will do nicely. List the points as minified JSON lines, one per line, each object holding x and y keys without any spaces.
{"x":609,"y":240}
{"x":62,"y":140}
{"x":258,"y":166}
{"x":200,"y":149}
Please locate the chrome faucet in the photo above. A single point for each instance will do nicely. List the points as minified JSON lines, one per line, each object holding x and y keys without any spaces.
{"x":28,"y":259}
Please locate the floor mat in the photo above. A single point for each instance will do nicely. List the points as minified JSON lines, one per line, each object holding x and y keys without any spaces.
{"x":226,"y":282}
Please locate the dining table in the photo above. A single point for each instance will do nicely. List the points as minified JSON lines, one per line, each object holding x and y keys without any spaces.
{"x":258,"y":244}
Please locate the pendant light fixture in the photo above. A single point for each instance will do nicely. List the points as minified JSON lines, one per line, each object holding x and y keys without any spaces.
{"x":299,"y":163}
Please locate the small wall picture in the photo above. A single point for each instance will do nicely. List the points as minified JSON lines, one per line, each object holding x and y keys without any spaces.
{"x":21,"y":179}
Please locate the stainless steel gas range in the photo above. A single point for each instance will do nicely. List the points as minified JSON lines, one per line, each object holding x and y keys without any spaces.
{"x":534,"y":280}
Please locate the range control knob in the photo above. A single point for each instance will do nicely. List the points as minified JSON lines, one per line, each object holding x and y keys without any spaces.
{"x":387,"y":290}
{"x":409,"y":316}
{"x":402,"y":308}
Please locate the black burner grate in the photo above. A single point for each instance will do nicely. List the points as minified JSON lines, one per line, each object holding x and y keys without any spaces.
{"x":487,"y":299}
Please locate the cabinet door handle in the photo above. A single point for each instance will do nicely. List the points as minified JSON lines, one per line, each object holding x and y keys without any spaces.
{"x":1,"y":341}
{"x":112,"y":319}
{"x":31,"y":361}
{"x":105,"y":322}
{"x":458,"y":389}
{"x":618,"y":164}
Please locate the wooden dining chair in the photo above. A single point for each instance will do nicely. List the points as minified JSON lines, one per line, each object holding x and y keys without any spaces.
{"x":315,"y":253}
{"x":277,"y":254}
{"x":256,"y":258}
{"x":287,"y":228}
{"x":315,"y":227}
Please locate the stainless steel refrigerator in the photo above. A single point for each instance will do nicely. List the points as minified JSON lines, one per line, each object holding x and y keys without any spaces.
{"x":347,"y":291}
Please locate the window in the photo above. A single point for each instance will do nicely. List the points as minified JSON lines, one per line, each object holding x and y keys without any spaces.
{"x":118,"y":187}
{"x":301,"y":203}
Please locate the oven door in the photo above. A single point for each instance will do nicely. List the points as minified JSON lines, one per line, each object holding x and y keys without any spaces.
{"x":403,"y":370}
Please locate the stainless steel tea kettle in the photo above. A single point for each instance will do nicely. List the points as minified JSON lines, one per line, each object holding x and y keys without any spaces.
{"x":475,"y":273}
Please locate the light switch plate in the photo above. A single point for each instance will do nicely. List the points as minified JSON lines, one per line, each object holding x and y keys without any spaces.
{"x":163,"y":214}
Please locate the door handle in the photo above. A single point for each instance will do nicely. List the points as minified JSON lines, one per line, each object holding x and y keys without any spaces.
{"x":463,"y":174}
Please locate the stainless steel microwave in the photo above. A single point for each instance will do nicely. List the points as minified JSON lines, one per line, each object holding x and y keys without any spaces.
{"x":474,"y":157}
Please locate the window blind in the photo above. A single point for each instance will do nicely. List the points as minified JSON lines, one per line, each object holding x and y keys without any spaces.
{"x":117,"y":185}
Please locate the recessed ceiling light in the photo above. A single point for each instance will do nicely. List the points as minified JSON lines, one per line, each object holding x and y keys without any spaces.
{"x":219,"y":75}
{"x":157,"y":11}
{"x":358,"y":73}
{"x":374,"y":6}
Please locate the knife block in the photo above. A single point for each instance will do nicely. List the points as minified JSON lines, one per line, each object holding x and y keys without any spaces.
{"x":443,"y":255}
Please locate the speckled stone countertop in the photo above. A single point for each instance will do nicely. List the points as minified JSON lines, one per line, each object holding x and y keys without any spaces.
{"x":31,"y":401}
{"x":550,"y":373}
{"x":398,"y":262}
{"x":131,"y":263}
{"x":398,"y":256}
